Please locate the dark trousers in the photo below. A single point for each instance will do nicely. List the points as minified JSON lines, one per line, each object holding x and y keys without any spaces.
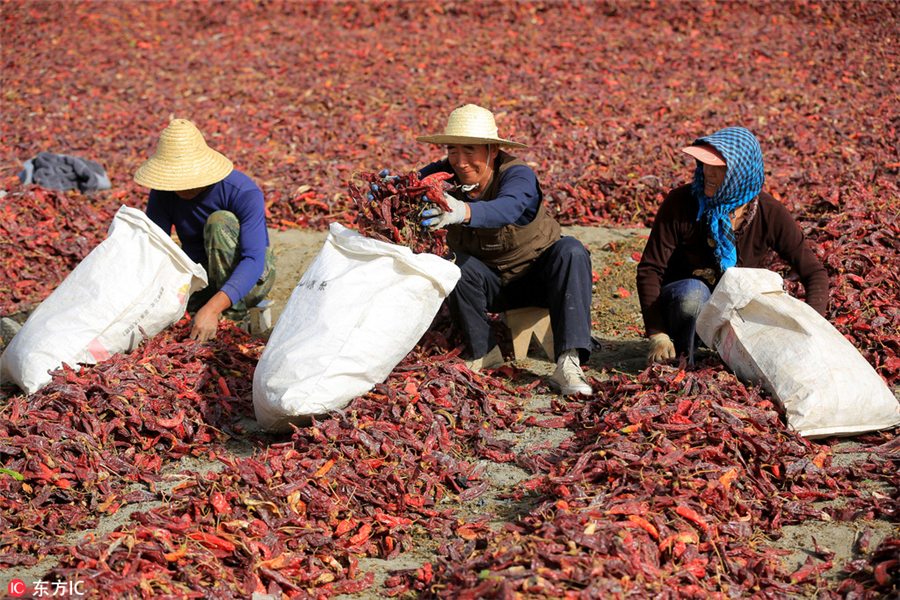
{"x":560,"y":280}
{"x":681,"y":303}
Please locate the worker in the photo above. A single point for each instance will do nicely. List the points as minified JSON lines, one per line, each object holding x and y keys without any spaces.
{"x":219,"y":215}
{"x":720,"y":220}
{"x":508,"y":247}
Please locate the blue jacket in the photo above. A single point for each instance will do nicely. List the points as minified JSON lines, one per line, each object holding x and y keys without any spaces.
{"x":237,"y":194}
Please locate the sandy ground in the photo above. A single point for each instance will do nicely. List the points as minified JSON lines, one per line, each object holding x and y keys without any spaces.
{"x":616,"y":325}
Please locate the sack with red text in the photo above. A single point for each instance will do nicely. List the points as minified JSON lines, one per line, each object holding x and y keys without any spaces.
{"x":136,"y":282}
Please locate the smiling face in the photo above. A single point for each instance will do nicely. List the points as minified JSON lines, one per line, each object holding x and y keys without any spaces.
{"x":473,"y":165}
{"x":713,"y":176}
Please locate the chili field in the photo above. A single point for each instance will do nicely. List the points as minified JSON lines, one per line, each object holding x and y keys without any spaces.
{"x":145,"y":476}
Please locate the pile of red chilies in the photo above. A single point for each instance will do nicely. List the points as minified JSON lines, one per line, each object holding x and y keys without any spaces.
{"x":600,"y":200}
{"x":292,"y":518}
{"x":389,"y":209}
{"x":44,"y":234}
{"x":96,"y":439}
{"x":666,"y":490}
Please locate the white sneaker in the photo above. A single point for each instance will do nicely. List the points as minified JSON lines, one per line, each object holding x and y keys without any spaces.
{"x":568,"y":377}
{"x":491,"y":359}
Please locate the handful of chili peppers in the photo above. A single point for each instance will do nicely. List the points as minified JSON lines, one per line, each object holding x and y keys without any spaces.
{"x":388,"y":209}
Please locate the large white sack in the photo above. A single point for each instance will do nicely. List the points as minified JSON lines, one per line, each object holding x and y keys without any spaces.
{"x":136,"y":279}
{"x":770,"y":338}
{"x":359,"y":309}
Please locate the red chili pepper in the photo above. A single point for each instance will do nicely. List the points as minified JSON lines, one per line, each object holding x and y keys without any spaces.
{"x":174,"y":421}
{"x":321,"y":471}
{"x":391,"y":521}
{"x":810,"y":569}
{"x":174,"y":556}
{"x":343,"y":527}
{"x":362,"y":535}
{"x":212,"y":541}
{"x":217,"y":499}
{"x":223,"y":387}
{"x":880,"y":572}
{"x":691,"y":515}
{"x":645,"y":525}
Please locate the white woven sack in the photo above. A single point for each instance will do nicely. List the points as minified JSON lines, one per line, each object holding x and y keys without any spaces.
{"x":359,"y":309}
{"x":136,"y":279}
{"x":770,"y":338}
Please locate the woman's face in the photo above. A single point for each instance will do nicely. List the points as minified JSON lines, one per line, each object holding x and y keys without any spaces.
{"x":713,"y":176}
{"x":473,"y":165}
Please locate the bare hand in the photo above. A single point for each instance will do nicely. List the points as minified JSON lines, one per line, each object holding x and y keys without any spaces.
{"x":661,"y":348}
{"x":206,"y":322}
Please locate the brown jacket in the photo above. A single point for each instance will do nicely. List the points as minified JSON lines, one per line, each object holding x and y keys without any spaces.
{"x":510,"y":250}
{"x":679,"y":248}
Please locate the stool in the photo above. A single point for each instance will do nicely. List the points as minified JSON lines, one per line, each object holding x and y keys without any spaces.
{"x":525,"y":323}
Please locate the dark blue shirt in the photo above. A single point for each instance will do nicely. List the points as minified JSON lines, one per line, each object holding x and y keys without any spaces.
{"x":517,"y":200}
{"x":237,"y":194}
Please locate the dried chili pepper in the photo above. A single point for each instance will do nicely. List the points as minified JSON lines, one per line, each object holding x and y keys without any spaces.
{"x":390,"y":210}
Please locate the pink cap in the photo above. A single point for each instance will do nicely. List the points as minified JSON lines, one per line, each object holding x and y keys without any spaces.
{"x":706,"y":154}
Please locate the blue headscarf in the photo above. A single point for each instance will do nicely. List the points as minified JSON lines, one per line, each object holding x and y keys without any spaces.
{"x":743,"y":181}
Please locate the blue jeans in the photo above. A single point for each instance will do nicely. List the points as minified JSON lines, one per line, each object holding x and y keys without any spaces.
{"x":681,"y":302}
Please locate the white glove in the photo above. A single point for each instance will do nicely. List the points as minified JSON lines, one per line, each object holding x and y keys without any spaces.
{"x":661,"y":348}
{"x":435,"y":218}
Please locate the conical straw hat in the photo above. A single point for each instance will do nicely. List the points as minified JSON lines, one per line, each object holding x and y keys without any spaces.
{"x":182,"y":161}
{"x":469,"y":124}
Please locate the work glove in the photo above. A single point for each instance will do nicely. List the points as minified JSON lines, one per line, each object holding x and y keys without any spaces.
{"x":383,"y":174}
{"x":661,"y":348}
{"x":435,"y":218}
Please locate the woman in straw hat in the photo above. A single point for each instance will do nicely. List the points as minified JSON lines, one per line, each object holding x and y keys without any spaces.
{"x":722,"y":219}
{"x":219,"y":216}
{"x":508,"y":247}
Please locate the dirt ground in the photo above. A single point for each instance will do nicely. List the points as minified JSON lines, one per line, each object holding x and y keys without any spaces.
{"x":616,"y":326}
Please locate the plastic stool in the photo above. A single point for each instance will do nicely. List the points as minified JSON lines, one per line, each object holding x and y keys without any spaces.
{"x":525,"y":323}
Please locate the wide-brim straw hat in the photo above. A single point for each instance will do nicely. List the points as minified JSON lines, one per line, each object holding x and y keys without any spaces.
{"x":182,"y":161}
{"x":470,"y":125}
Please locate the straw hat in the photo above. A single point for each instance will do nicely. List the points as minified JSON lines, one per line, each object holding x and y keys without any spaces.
{"x":182,"y":161}
{"x":469,"y":124}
